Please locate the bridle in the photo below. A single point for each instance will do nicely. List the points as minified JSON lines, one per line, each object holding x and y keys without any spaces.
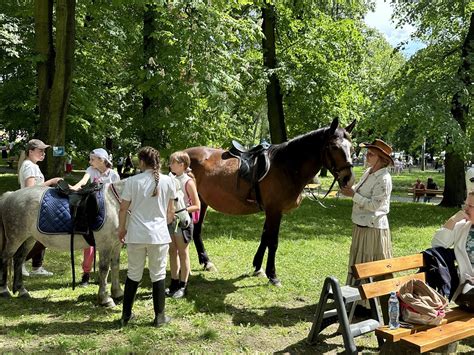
{"x":330,"y":164}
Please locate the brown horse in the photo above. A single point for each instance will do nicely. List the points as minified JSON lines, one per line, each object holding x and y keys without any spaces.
{"x":292,"y":165}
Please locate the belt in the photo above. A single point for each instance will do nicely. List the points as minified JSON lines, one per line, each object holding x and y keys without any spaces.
{"x":358,"y":225}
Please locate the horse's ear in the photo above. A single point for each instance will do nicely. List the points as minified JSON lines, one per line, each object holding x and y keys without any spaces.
{"x":334,"y":125}
{"x":351,"y":126}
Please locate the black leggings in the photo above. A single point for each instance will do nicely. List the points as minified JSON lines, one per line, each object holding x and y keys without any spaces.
{"x":36,"y":255}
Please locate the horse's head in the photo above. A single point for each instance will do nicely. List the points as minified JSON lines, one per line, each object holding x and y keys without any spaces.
{"x":337,"y":153}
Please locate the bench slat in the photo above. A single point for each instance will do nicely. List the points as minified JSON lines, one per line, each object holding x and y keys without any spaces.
{"x":439,"y":336}
{"x":388,"y":266}
{"x":453,"y":314}
{"x":384,"y":287}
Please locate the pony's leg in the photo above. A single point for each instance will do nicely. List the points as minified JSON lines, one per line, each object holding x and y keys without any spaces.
{"x":270,"y":234}
{"x":104,"y":264}
{"x":116,"y":290}
{"x":198,"y":243}
{"x":18,"y":260}
{"x":4,"y":291}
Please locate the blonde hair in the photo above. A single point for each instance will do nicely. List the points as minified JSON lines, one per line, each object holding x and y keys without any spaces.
{"x":151,"y":158}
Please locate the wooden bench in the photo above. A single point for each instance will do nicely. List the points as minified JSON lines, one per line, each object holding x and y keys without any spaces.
{"x":457,"y":324}
{"x":312,"y":188}
{"x":422,"y":192}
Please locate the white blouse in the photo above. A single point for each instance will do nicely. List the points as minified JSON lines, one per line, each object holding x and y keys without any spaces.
{"x":371,"y":201}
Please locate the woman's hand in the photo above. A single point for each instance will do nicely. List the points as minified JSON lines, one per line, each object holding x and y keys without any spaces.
{"x":347,"y":191}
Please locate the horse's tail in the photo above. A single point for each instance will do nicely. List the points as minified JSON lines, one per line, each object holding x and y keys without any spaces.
{"x":2,"y":227}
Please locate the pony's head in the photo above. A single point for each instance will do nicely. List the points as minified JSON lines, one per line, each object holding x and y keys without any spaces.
{"x":336,"y":154}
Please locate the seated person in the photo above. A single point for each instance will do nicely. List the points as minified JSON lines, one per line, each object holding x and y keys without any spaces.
{"x":430,"y":185}
{"x":417,"y":194}
{"x":458,"y":231}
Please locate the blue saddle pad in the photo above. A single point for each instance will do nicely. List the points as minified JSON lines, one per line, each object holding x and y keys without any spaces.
{"x":55,"y":216}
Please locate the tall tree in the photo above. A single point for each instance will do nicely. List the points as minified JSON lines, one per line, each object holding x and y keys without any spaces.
{"x":443,"y":86}
{"x":276,"y":117}
{"x":54,"y":68}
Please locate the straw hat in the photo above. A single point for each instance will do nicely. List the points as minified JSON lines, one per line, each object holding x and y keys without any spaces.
{"x":381,"y":146}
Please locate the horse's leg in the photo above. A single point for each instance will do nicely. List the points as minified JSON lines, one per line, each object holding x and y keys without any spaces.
{"x":116,"y":290}
{"x":18,"y":260}
{"x":198,"y":243}
{"x":104,"y":264}
{"x":270,"y":234}
{"x":258,"y":258}
{"x":4,"y":291}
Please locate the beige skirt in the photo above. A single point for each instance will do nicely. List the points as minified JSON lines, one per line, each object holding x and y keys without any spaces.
{"x":368,"y":244}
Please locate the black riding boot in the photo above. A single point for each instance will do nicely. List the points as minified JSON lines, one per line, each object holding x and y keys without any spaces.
{"x":174,"y":286}
{"x":181,"y":292}
{"x":128,"y":298}
{"x":159,"y":303}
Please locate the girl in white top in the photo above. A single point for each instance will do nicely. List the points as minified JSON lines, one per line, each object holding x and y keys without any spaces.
{"x":371,"y":203}
{"x":180,"y":264}
{"x":149,"y":197}
{"x":29,"y":175}
{"x":100,"y":171}
{"x":458,"y":232}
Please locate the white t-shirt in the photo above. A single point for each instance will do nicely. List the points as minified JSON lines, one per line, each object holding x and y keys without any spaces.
{"x":147,"y":220}
{"x":108,"y":177}
{"x":29,"y":169}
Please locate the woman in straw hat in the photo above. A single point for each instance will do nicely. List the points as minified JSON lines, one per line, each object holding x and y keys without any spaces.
{"x":371,"y":204}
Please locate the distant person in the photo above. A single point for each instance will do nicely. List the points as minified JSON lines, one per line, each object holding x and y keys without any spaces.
{"x":128,"y":167}
{"x":430,"y":185}
{"x":31,"y":175}
{"x":416,"y":193}
{"x":120,"y":162}
{"x":69,"y":164}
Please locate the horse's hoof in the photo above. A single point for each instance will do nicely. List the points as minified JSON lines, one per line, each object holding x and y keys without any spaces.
{"x":209,"y":266}
{"x":5,"y":294}
{"x":23,"y":293}
{"x":108,"y":303}
{"x":118,"y":298}
{"x":275,"y":282}
{"x":259,"y":273}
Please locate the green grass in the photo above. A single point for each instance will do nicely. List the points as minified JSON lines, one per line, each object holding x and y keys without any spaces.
{"x":224,"y":312}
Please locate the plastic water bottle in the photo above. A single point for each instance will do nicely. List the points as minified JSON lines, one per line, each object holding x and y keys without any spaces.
{"x":393,"y":311}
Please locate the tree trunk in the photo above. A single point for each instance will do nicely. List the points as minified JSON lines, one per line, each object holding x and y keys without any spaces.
{"x":455,"y":179}
{"x":54,"y":74}
{"x":276,"y":118}
{"x":45,"y":65}
{"x":155,"y":137}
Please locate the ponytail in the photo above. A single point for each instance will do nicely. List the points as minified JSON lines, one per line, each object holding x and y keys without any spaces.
{"x":151,"y":158}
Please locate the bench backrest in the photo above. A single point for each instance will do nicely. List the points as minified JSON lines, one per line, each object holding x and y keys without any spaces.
{"x":384,"y":269}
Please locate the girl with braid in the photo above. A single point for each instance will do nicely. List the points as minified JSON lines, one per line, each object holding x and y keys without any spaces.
{"x":179,"y":248}
{"x":149,"y":197}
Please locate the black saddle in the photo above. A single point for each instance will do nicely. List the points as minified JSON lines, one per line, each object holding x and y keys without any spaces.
{"x":254,"y":164}
{"x":84,"y":209}
{"x":83,"y":205}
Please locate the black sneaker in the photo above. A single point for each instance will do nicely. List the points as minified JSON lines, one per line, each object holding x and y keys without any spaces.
{"x":85,"y":280}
